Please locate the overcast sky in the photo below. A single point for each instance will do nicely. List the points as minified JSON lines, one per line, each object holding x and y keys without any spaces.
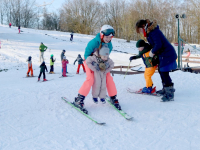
{"x":55,"y":5}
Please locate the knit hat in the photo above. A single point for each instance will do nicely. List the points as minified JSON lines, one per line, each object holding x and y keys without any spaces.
{"x":140,"y":43}
{"x":104,"y":51}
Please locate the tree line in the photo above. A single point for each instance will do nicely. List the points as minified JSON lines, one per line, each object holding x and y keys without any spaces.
{"x":87,"y":16}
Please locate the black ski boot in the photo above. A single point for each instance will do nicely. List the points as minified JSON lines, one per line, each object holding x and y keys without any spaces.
{"x":169,"y":94}
{"x":161,"y":92}
{"x":79,"y":103}
{"x":115,"y":102}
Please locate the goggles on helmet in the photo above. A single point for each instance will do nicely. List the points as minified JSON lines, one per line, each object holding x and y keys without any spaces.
{"x":108,"y":32}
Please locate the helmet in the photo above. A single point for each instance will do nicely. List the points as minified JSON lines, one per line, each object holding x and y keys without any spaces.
{"x":29,"y":58}
{"x":63,"y":50}
{"x":107,"y":30}
{"x":41,"y":42}
{"x":79,"y":55}
{"x":51,"y":55}
{"x":64,"y":57}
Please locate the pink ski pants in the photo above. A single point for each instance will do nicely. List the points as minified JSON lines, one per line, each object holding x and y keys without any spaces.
{"x":85,"y":88}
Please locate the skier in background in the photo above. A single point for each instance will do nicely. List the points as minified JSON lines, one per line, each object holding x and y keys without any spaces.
{"x":64,"y":66}
{"x":42,"y":70}
{"x":19,"y":28}
{"x":71,"y":38}
{"x":80,"y":63}
{"x":10,"y":25}
{"x":51,"y":64}
{"x":62,"y":55}
{"x":30,"y":69}
{"x":42,"y":49}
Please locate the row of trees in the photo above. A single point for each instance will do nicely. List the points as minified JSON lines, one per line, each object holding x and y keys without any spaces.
{"x":87,"y":16}
{"x":28,"y":14}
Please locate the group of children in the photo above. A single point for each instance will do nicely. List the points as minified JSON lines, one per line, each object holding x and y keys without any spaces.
{"x":43,"y":67}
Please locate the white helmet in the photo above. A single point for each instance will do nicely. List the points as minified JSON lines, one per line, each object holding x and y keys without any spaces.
{"x":64,"y":57}
{"x":107,"y":30}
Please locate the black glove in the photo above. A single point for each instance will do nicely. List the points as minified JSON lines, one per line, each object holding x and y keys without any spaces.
{"x":132,"y":57}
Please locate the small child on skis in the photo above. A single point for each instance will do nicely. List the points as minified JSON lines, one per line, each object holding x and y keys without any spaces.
{"x":101,"y":64}
{"x":80,"y":63}
{"x":30,"y":69}
{"x":64,"y":65}
{"x":51,"y":64}
{"x":144,"y":50}
{"x":42,"y":70}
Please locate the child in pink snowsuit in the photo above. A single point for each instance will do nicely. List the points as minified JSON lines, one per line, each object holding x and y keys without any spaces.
{"x":64,"y":64}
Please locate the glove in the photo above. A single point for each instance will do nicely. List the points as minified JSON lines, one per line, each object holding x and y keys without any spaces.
{"x":107,"y":65}
{"x":151,"y":54}
{"x":132,"y":57}
{"x":96,"y":65}
{"x":74,"y":63}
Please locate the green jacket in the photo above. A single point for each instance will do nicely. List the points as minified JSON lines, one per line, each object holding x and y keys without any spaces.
{"x":94,"y":44}
{"x":43,"y":48}
{"x":144,"y":54}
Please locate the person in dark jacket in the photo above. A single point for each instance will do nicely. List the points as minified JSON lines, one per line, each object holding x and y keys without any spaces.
{"x":166,"y":53}
{"x":71,"y":38}
{"x":80,"y":63}
{"x":19,"y":28}
{"x":144,"y":50}
{"x":42,"y":70}
{"x":62,"y":55}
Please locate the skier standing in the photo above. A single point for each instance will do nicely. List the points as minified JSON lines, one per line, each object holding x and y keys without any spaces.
{"x":71,"y":38}
{"x":19,"y":29}
{"x":62,"y":55}
{"x":64,"y":66}
{"x":80,"y":63}
{"x":42,"y":70}
{"x":144,"y":50}
{"x":51,"y":64}
{"x":10,"y":25}
{"x":42,"y":49}
{"x":30,"y":69}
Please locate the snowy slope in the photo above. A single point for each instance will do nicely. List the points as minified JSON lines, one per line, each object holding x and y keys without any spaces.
{"x":33,"y":116}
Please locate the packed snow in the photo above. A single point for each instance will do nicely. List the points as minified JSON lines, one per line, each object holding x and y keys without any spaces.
{"x":33,"y":116}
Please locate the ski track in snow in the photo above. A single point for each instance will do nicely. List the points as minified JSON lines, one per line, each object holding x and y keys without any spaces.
{"x":33,"y":116}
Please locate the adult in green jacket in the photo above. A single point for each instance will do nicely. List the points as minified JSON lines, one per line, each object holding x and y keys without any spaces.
{"x":42,"y":49}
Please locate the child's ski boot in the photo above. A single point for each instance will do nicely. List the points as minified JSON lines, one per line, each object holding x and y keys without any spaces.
{"x":95,"y":100}
{"x":44,"y":79}
{"x":115,"y":102}
{"x":102,"y":100}
{"x":79,"y":103}
{"x":147,"y":90}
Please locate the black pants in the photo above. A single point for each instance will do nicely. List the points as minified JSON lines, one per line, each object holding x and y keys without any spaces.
{"x":41,"y":74}
{"x":71,"y":39}
{"x":51,"y":68}
{"x":166,"y":80}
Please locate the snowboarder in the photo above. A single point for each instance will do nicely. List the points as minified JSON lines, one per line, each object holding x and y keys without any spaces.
{"x":64,"y":65}
{"x":104,"y":37}
{"x":51,"y":64}
{"x":30,"y":69}
{"x":10,"y":25}
{"x":62,"y":55}
{"x":166,"y":53}
{"x":19,"y":29}
{"x":42,"y":70}
{"x":100,"y":64}
{"x":71,"y":38}
{"x":42,"y":49}
{"x":144,"y":50}
{"x":80,"y":63}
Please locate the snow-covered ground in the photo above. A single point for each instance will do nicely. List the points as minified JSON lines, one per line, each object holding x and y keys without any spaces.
{"x":33,"y":116}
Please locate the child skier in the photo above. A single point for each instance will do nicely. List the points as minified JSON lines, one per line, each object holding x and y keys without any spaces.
{"x":64,"y":65}
{"x":42,"y":70}
{"x":71,"y":38}
{"x":30,"y":69}
{"x":80,"y":63}
{"x":144,"y":50}
{"x":51,"y":64}
{"x":101,"y":64}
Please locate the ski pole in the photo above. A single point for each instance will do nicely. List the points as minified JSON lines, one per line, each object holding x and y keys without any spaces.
{"x":127,"y":69}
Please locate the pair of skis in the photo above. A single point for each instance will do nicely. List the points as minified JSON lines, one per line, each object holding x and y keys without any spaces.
{"x":125,"y":115}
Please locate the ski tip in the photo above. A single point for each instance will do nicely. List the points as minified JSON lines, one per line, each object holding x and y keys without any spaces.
{"x":129,"y":119}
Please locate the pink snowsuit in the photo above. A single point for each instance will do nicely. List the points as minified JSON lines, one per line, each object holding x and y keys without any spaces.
{"x":64,"y":64}
{"x":99,"y":85}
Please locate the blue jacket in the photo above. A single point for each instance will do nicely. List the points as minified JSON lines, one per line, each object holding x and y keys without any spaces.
{"x":161,"y":45}
{"x":93,"y":45}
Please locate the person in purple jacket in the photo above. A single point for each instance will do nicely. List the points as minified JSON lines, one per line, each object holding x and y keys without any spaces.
{"x":166,"y":53}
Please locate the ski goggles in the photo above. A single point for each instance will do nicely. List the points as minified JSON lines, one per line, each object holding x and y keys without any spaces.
{"x":108,"y":32}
